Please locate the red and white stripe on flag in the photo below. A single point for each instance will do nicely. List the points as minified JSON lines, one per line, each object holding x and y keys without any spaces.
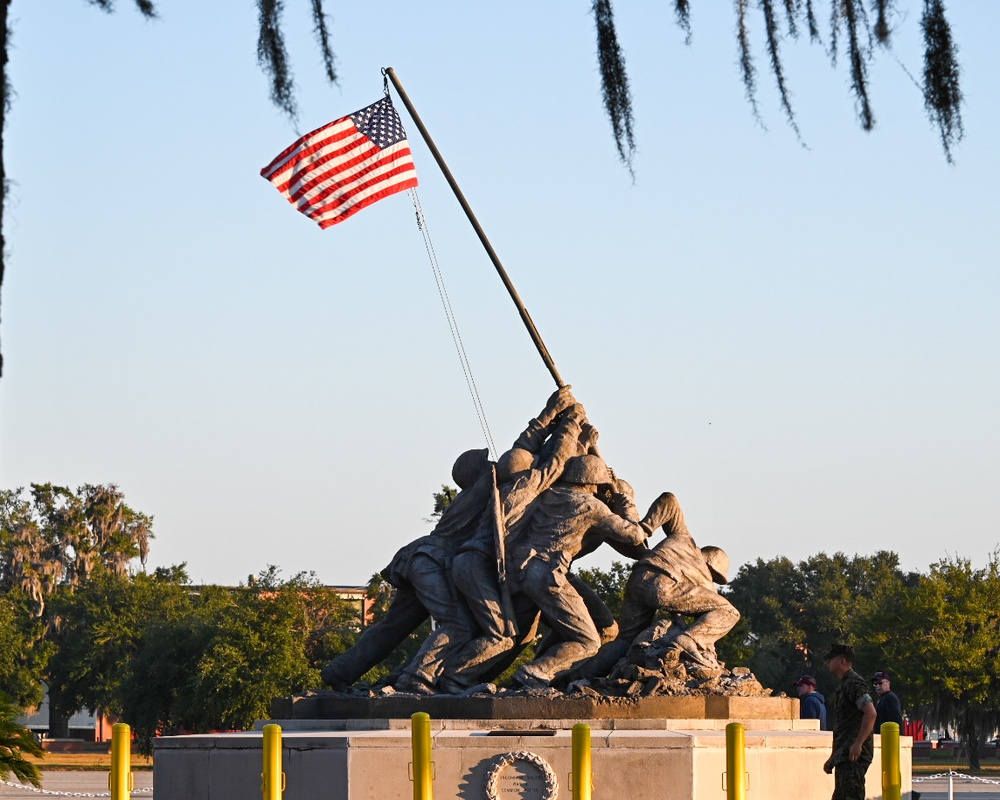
{"x":352,"y":162}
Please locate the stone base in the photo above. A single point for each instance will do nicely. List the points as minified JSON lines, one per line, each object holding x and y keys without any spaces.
{"x":370,"y":759}
{"x":532,"y":706}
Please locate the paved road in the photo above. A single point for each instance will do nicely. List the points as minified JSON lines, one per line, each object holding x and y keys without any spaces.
{"x":76,"y":782}
{"x":97,"y":783}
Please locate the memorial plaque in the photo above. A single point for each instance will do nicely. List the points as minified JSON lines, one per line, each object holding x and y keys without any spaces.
{"x":520,"y":775}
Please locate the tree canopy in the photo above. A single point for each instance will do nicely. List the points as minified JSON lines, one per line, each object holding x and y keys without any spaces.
{"x":938,"y":633}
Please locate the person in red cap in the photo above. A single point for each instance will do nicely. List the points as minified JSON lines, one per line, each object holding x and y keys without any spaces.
{"x":887,"y":709}
{"x":812,"y":705}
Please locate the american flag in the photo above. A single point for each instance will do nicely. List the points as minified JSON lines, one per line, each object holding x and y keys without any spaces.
{"x":338,"y":169}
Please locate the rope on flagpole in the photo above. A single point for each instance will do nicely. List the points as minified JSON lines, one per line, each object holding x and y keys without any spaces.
{"x":449,"y":313}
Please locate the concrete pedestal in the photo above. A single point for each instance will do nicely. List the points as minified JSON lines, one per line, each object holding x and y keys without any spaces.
{"x":633,"y":759}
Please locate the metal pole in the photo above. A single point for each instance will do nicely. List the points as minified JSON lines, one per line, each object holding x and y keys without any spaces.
{"x":891,"y":780}
{"x":272,"y":778}
{"x":120,"y":779}
{"x":583,"y":782}
{"x":423,"y":775}
{"x":525,"y":317}
{"x":736,"y":762}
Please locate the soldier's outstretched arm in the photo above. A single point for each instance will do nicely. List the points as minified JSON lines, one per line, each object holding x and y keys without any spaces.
{"x":561,"y":399}
{"x":538,"y":429}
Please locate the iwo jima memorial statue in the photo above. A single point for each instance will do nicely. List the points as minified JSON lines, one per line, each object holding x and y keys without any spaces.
{"x":495,"y":575}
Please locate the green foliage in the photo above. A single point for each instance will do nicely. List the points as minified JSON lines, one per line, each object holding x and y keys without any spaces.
{"x":23,"y":654}
{"x":381,"y":594}
{"x":442,"y":500}
{"x":949,"y":657}
{"x":217,"y":659}
{"x":58,"y":538}
{"x":14,"y":742}
{"x":609,"y":585}
{"x":101,"y":628}
{"x":792,"y":612}
{"x":53,"y":542}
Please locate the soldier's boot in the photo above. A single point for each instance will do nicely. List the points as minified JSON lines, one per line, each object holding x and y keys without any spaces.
{"x":694,"y":652}
{"x":529,"y":678}
{"x":413,"y":684}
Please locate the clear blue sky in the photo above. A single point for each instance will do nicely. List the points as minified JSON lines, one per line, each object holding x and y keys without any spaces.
{"x":800,"y":342}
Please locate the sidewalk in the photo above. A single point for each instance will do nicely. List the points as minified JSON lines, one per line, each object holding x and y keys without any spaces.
{"x":77,"y":782}
{"x":962,"y":789}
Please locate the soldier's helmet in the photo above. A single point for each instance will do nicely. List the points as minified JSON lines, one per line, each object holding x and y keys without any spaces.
{"x":584,"y":470}
{"x":515,"y":460}
{"x":718,"y":563}
{"x":469,"y":466}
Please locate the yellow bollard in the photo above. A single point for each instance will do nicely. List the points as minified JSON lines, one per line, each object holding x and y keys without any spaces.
{"x":892,"y":788}
{"x":736,"y":762}
{"x":272,"y":778}
{"x":582,"y":779}
{"x":423,"y":777}
{"x":120,"y":779}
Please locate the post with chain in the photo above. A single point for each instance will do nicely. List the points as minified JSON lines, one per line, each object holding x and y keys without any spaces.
{"x":272,"y":778}
{"x":120,"y":779}
{"x":891,"y":779}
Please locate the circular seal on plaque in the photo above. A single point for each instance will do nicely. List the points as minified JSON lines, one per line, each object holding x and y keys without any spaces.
{"x":520,"y":775}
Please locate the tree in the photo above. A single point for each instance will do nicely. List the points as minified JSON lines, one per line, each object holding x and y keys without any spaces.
{"x":862,"y":30}
{"x":101,"y":626}
{"x":58,"y":537}
{"x":947,"y":649}
{"x":16,"y":740}
{"x":54,"y":543}
{"x":792,"y":612}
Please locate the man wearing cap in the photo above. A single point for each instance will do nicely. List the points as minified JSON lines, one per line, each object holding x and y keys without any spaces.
{"x":812,"y":705}
{"x":854,"y":720}
{"x":888,"y":708}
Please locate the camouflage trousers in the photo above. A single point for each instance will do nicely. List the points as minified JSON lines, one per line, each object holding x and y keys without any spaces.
{"x":849,"y":780}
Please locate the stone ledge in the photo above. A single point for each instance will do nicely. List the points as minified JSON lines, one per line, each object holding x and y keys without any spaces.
{"x":535,"y":708}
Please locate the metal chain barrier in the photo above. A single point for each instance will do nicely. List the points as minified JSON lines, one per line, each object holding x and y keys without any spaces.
{"x":953,"y":774}
{"x":147,"y":790}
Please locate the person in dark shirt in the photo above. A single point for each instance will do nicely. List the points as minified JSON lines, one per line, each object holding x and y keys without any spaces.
{"x":812,"y":705}
{"x":854,"y":720}
{"x":887,"y":709}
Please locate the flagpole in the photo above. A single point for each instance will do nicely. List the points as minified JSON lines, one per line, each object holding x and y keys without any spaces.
{"x":525,"y":316}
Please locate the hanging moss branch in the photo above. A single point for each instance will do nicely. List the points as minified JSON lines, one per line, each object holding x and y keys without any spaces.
{"x":146,"y":7}
{"x":747,"y":69}
{"x":792,"y":8}
{"x":854,"y":19}
{"x":942,"y":95}
{"x":834,"y":30}
{"x":614,"y":82}
{"x":323,"y":39}
{"x":811,"y":21}
{"x":883,"y":10}
{"x":773,"y":37}
{"x":682,"y":9}
{"x":273,"y":58}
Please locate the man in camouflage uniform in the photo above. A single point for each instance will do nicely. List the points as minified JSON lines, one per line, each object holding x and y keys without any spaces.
{"x":854,"y":720}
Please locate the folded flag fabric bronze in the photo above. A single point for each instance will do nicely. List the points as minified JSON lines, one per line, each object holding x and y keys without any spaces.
{"x":348,"y":164}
